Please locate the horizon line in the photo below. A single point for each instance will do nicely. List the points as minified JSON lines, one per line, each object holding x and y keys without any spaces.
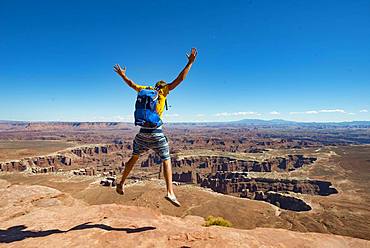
{"x":182,"y":122}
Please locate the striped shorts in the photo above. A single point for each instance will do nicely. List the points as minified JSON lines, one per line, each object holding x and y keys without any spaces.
{"x":154,"y":141}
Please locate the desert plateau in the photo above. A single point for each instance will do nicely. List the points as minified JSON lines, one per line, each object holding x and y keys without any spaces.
{"x":276,"y":184}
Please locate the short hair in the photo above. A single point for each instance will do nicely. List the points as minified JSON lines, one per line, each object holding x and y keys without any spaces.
{"x":160,"y":84}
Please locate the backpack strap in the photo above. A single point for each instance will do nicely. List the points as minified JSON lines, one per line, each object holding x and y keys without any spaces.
{"x":159,"y":88}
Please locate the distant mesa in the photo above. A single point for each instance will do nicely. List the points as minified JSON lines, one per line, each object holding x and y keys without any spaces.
{"x":52,"y":125}
{"x":39,"y":126}
{"x":87,"y":160}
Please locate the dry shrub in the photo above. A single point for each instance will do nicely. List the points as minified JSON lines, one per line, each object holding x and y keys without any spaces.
{"x":217,"y":221}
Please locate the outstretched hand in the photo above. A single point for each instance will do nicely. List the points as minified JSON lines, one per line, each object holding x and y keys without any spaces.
{"x":119,"y":70}
{"x":192,"y":55}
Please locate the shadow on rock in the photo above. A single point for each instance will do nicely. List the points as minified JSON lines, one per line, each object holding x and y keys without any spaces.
{"x":109,"y":228}
{"x":17,"y":233}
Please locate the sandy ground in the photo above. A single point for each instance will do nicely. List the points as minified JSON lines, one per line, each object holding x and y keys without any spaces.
{"x":27,"y":148}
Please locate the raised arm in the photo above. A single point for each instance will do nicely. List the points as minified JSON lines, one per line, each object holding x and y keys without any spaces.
{"x":122,"y":73}
{"x":184,"y":72}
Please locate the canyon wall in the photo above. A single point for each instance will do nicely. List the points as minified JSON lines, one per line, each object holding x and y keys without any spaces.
{"x":272,"y":190}
{"x":241,"y":183}
{"x":212,"y":164}
{"x":44,"y":163}
{"x":104,"y":159}
{"x":203,"y":165}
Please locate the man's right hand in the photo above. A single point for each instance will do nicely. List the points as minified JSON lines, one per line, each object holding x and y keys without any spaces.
{"x":119,"y":70}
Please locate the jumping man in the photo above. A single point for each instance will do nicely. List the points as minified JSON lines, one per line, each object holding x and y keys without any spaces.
{"x":150,"y":135}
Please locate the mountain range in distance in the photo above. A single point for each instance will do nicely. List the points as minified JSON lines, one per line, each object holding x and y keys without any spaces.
{"x":281,"y":123}
{"x":294,"y":123}
{"x":243,"y":122}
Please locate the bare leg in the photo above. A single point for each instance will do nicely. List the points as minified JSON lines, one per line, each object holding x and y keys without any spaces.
{"x":167,"y":172}
{"x":128,"y":167}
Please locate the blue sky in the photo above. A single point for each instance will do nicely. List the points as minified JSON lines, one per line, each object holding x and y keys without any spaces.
{"x":293,"y":60}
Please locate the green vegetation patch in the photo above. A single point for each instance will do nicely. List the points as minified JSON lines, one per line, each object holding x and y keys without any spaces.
{"x":217,"y":221}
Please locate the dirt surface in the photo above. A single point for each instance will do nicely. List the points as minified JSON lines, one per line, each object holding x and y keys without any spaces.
{"x":17,"y":149}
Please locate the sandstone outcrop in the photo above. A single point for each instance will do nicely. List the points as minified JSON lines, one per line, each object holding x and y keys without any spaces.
{"x":238,"y":182}
{"x":38,"y":126}
{"x":230,"y":176}
{"x":84,"y":151}
{"x":193,"y":169}
{"x":37,"y":164}
{"x":212,"y":164}
{"x":267,"y":189}
{"x":88,"y":171}
{"x":103,"y":157}
{"x":232,"y":142}
{"x":283,"y":201}
{"x":37,"y":216}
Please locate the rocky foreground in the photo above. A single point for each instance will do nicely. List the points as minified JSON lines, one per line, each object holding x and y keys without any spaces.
{"x":38,"y":216}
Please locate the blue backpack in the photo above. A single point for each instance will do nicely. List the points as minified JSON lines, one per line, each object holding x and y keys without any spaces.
{"x":146,"y":109}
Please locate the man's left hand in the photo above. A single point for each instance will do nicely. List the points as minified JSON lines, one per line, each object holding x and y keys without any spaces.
{"x":192,"y":55}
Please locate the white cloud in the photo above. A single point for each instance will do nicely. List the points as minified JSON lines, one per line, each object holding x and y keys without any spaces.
{"x":168,"y":117}
{"x":200,"y":115}
{"x":237,"y":113}
{"x":274,"y":113}
{"x":172,"y":115}
{"x":310,"y":112}
{"x":118,"y":118}
{"x":351,"y":113}
{"x":123,"y":118}
{"x":332,"y":111}
{"x":364,"y":111}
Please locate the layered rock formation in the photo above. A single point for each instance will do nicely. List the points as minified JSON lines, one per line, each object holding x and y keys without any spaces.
{"x":234,"y":140}
{"x":236,"y":182}
{"x":89,"y":171}
{"x":191,"y":169}
{"x":37,"y":164}
{"x":38,"y":216}
{"x":87,"y":151}
{"x":230,"y":176}
{"x":105,"y":158}
{"x":267,"y":189}
{"x":283,"y":201}
{"x":37,"y":126}
{"x":220,"y":163}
